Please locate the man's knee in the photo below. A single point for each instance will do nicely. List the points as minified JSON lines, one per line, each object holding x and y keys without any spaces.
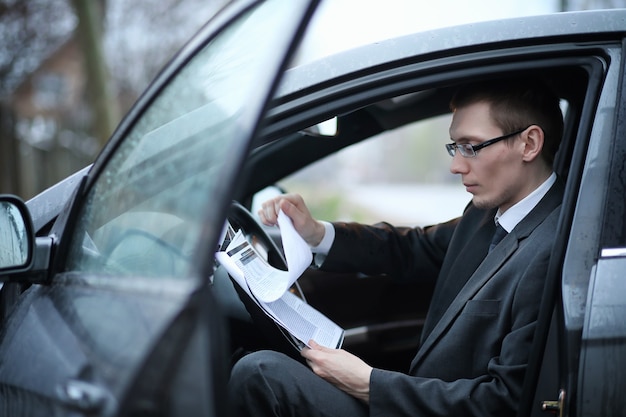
{"x":267,"y":383}
{"x":259,"y":369}
{"x":257,"y":382}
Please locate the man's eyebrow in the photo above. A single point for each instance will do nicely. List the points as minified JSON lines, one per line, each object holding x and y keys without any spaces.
{"x":462,"y":139}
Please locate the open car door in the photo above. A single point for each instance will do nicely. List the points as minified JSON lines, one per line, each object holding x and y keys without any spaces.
{"x":123,"y":321}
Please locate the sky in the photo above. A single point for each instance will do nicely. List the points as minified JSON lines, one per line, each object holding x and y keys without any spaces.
{"x":341,"y":24}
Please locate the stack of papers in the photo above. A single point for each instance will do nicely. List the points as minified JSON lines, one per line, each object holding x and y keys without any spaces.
{"x":269,"y":286}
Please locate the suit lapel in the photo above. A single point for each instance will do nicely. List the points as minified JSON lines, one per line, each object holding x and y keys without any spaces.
{"x":456,"y":271}
{"x":479,"y":278}
{"x":488,"y":267}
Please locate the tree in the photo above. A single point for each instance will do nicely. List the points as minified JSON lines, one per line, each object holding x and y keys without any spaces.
{"x":28,"y":30}
{"x":89,"y":31}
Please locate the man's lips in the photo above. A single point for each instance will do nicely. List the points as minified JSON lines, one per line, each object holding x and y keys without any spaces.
{"x":470,"y":187}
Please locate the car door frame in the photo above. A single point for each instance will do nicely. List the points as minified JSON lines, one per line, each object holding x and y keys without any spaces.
{"x":594,"y":128}
{"x":205,"y":324}
{"x":597,"y":341}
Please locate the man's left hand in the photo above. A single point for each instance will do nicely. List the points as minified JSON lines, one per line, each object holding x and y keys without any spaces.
{"x":342,"y":369}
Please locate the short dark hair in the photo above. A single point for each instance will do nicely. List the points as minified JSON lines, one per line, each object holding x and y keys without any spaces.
{"x":516,"y":103}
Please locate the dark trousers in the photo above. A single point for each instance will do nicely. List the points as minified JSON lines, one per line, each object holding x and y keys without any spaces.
{"x":268,"y":383}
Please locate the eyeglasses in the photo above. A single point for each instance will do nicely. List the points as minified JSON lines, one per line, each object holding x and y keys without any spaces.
{"x":469,"y":151}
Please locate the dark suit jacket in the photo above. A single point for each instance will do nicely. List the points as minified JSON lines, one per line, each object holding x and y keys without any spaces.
{"x":481,"y":321}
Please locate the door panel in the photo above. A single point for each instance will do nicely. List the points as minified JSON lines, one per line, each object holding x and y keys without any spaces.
{"x":127,"y":321}
{"x":603,"y":354}
{"x":76,"y":347}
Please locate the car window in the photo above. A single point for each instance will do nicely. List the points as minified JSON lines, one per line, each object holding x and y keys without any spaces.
{"x":401,"y":176}
{"x":144,"y":213}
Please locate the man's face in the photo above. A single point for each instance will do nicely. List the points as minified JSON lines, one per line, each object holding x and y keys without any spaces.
{"x":495,"y":176}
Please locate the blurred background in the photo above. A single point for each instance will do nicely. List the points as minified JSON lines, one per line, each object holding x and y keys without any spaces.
{"x":70,"y":69}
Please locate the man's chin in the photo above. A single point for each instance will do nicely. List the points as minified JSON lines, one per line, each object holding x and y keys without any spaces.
{"x":483,"y":204}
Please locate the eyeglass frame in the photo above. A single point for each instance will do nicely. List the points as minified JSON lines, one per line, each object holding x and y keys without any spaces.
{"x":452,"y":147}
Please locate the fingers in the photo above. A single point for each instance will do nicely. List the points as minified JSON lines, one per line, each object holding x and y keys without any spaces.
{"x":315,"y":352}
{"x":288,"y":203}
{"x":268,"y":213}
{"x":309,"y":352}
{"x":314,"y":345}
{"x":311,"y":230}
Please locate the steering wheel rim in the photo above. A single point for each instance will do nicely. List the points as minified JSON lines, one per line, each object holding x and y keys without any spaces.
{"x":276,"y":337}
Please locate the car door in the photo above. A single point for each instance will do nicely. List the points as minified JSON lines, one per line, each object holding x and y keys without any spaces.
{"x":125,"y":322}
{"x":597,"y":357}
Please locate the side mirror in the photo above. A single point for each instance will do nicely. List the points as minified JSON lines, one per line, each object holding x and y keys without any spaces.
{"x":16,"y":234}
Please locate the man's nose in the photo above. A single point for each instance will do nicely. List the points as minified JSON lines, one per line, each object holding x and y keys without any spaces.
{"x":459,"y":164}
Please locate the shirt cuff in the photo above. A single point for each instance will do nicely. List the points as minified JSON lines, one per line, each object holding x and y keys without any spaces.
{"x":327,"y":241}
{"x":321,"y":250}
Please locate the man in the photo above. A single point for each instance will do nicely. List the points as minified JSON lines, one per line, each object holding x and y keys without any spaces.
{"x":479,"y":329}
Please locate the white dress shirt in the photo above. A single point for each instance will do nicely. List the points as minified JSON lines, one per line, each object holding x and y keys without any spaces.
{"x":508,"y":220}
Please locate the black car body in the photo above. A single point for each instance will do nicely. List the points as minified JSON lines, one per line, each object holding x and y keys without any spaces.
{"x":114,"y":305}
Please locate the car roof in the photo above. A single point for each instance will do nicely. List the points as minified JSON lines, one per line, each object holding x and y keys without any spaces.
{"x":576,"y":26}
{"x":348,"y":84}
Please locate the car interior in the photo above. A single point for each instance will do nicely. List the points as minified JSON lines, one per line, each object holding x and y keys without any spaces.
{"x":383,"y":319}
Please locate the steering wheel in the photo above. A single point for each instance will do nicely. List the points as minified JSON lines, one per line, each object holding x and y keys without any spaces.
{"x":275,"y":337}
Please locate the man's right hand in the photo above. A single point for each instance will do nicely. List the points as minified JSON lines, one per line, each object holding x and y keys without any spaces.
{"x":311,"y":230}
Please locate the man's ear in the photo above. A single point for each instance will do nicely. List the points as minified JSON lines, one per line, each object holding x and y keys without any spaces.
{"x":532,"y":138}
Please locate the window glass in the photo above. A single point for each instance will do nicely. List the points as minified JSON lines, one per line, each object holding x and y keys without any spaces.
{"x":400,"y":176}
{"x":144,"y":214}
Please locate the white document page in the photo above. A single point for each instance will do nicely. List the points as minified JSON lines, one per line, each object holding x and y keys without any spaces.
{"x":247,"y":266}
{"x":304,"y":322}
{"x":266,"y":282}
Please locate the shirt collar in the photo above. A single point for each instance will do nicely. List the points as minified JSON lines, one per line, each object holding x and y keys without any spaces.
{"x":510,"y":218}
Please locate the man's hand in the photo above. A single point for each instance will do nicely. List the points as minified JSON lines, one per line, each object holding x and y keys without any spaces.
{"x":311,"y":230}
{"x":342,"y":369}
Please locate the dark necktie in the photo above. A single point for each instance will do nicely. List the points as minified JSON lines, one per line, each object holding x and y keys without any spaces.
{"x":497,"y":237}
